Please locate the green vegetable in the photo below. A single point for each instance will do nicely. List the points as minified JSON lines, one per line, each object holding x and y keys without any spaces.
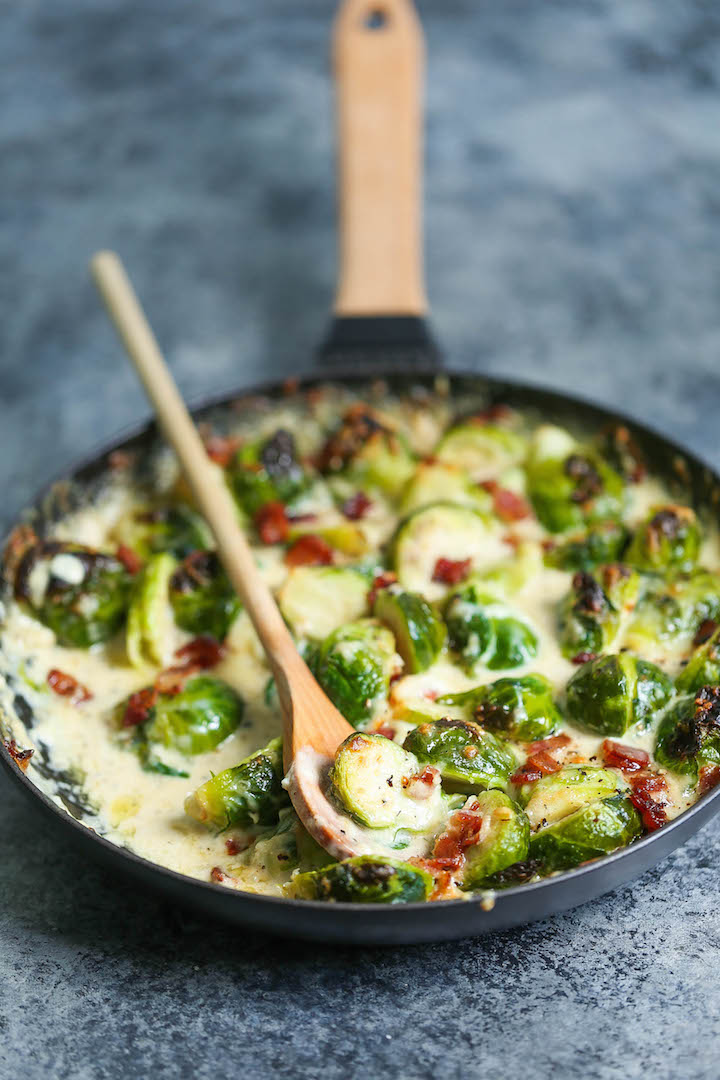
{"x":611,"y":693}
{"x":315,"y":600}
{"x":353,"y":665}
{"x":177,"y":530}
{"x":602,"y":543}
{"x":688,"y":736}
{"x":365,"y":879}
{"x":570,"y":485}
{"x":201,"y":596}
{"x":443,"y":482}
{"x":511,"y":575}
{"x":673,"y":609}
{"x":150,"y":619}
{"x":445,"y":531}
{"x":592,"y":614}
{"x":560,"y":794}
{"x":589,"y":833}
{"x":81,"y":594}
{"x":462,"y":752}
{"x":503,"y":839}
{"x":195,"y":720}
{"x":482,"y":630}
{"x":519,"y":708}
{"x":250,"y":793}
{"x":379,"y":783}
{"x":366,"y":451}
{"x":703,"y":667}
{"x":267,"y":471}
{"x":669,"y":539}
{"x":419,"y":631}
{"x":483,"y":449}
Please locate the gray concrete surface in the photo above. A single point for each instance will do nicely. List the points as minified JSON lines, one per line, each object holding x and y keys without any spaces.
{"x":573,"y":237}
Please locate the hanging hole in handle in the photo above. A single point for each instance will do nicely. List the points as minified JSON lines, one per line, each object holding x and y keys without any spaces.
{"x":376,"y":19}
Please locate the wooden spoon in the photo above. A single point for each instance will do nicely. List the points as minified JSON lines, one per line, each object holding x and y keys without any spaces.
{"x":312,"y":726}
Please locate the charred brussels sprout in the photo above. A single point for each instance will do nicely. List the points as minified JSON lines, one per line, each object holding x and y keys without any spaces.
{"x":589,"y":833}
{"x":250,"y":793}
{"x":591,"y":615}
{"x":570,"y":485}
{"x":353,"y":665}
{"x":418,"y":629}
{"x":202,"y":598}
{"x":196,"y":719}
{"x":703,"y":667}
{"x":688,"y":736}
{"x":367,"y":451}
{"x":365,"y":879}
{"x":80,"y":594}
{"x":266,"y":471}
{"x":148,"y":636}
{"x":384,"y":786}
{"x":668,"y":540}
{"x":519,"y":708}
{"x":483,"y":631}
{"x":673,"y":609}
{"x":611,"y":693}
{"x":484,"y":449}
{"x":602,"y":543}
{"x":462,"y":752}
{"x":177,"y":530}
{"x":503,"y":837}
{"x":316,"y":600}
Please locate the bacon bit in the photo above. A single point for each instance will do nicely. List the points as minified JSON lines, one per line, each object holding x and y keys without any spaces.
{"x":386,"y":731}
{"x":648,"y":794}
{"x":508,"y":506}
{"x":356,"y":507}
{"x":709,"y":778}
{"x":120,"y":459}
{"x":139,"y":705}
{"x":233,"y":846}
{"x":626,"y":758}
{"x":310,"y":550}
{"x":431,"y":695}
{"x":541,"y":761}
{"x":462,"y":831}
{"x":380,"y":581}
{"x":704,"y":632}
{"x":67,"y":686}
{"x":296,"y":519}
{"x":20,"y":757}
{"x":272,"y":523}
{"x":512,"y":540}
{"x":548,"y":545}
{"x":493,"y":412}
{"x":202,"y":652}
{"x":222,"y":448}
{"x":218,"y":875}
{"x":290,"y":385}
{"x":427,"y":776}
{"x":583,"y":658}
{"x":129,"y":558}
{"x":554,"y":742}
{"x":451,"y":571}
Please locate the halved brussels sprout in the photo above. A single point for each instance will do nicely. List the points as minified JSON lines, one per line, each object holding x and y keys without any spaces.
{"x":483,"y":449}
{"x":592,"y":831}
{"x":148,"y":637}
{"x":196,"y":719}
{"x":668,"y":539}
{"x":601,"y":544}
{"x":201,"y":596}
{"x":673,"y":609}
{"x":316,"y":600}
{"x":703,"y":667}
{"x":462,"y":752}
{"x":274,"y":853}
{"x":435,"y":482}
{"x":176,"y":529}
{"x":82,"y":595}
{"x":502,"y":839}
{"x":688,"y":736}
{"x":591,"y":615}
{"x":560,"y":794}
{"x":510,"y":575}
{"x":354,"y":665}
{"x":570,"y":485}
{"x":519,"y":708}
{"x":370,"y":453}
{"x":611,"y":693}
{"x":250,"y":793}
{"x":267,"y":471}
{"x":483,"y":631}
{"x":442,"y":531}
{"x":418,"y":629}
{"x":384,"y":786}
{"x":364,"y":879}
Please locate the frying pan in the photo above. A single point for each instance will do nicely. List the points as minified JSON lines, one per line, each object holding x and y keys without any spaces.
{"x":379,"y":329}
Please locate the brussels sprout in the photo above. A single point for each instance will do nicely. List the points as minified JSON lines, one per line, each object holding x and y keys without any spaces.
{"x":419,"y":631}
{"x":669,"y":539}
{"x":384,"y":786}
{"x":703,"y":667}
{"x":81,"y":594}
{"x":442,"y":531}
{"x":673,"y":609}
{"x":611,"y":693}
{"x":274,"y":853}
{"x":502,"y":838}
{"x":462,"y":752}
{"x":570,"y":485}
{"x":560,"y":794}
{"x":195,"y":720}
{"x":202,"y":598}
{"x":511,"y":575}
{"x":518,"y":708}
{"x":622,"y":453}
{"x":266,"y":471}
{"x":367,"y":451}
{"x":592,"y":831}
{"x":443,"y":482}
{"x":353,"y":665}
{"x":591,"y":615}
{"x":365,"y":879}
{"x":250,"y":793}
{"x":481,"y":630}
{"x":602,"y":543}
{"x":316,"y":600}
{"x":688,"y":736}
{"x":148,"y":634}
{"x":177,"y":530}
{"x":483,"y":449}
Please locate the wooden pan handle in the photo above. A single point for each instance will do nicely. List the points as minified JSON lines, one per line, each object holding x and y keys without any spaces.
{"x":379,"y":62}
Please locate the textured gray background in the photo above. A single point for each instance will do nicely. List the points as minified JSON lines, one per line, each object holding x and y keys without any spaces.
{"x":573,"y":236}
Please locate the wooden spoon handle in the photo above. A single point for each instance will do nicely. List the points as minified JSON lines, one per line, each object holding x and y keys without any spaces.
{"x":379,"y":61}
{"x":205,"y":479}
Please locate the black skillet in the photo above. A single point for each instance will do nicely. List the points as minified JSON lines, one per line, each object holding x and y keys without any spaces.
{"x":379,"y":329}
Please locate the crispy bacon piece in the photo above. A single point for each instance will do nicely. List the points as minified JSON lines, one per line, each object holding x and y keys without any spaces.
{"x":202,"y":652}
{"x":462,"y":831}
{"x":380,"y":581}
{"x":541,"y":760}
{"x":359,"y":424}
{"x":553,"y":742}
{"x":233,"y":846}
{"x":309,"y":550}
{"x":272,"y":523}
{"x":218,"y":875}
{"x":129,"y":558}
{"x":357,"y":506}
{"x":627,"y":758}
{"x":508,"y":506}
{"x":451,"y":571}
{"x":492,"y":414}
{"x":20,"y":757}
{"x":222,"y":448}
{"x":588,"y":482}
{"x":583,"y":658}
{"x":649,"y":795}
{"x":67,"y":686}
{"x":709,"y":778}
{"x":139,"y":705}
{"x":386,"y":731}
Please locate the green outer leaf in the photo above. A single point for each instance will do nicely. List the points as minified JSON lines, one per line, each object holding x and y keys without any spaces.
{"x":365,"y":879}
{"x":611,"y":693}
{"x":504,"y":844}
{"x":519,"y":708}
{"x":249,"y":793}
{"x":593,"y":831}
{"x":149,"y":625}
{"x":446,"y":744}
{"x":197,"y":719}
{"x":419,"y":631}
